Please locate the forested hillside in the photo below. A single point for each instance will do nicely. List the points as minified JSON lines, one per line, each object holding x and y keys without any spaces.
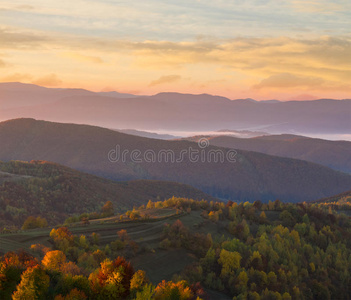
{"x":201,"y":249}
{"x":340,"y":202}
{"x":53,"y":192}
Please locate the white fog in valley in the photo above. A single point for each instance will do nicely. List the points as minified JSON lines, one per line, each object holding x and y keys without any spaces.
{"x":251,"y":134}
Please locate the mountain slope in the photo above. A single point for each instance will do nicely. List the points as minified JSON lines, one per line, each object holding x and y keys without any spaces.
{"x":340,"y":199}
{"x":333,"y":154}
{"x":14,"y":95}
{"x":150,"y":135}
{"x":252,"y":176}
{"x":174,"y":111}
{"x":53,"y":191}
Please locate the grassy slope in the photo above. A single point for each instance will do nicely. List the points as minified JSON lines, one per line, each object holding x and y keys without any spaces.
{"x":159,"y":264}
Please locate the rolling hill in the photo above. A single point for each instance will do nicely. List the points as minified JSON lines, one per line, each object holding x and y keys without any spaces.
{"x":250,"y":177}
{"x":333,"y":154}
{"x":340,"y":199}
{"x":173,"y":111}
{"x":52,"y":191}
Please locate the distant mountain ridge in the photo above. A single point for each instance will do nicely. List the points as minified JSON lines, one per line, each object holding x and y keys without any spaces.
{"x":173,"y":111}
{"x":333,"y":154}
{"x":251,"y":177}
{"x":150,"y":135}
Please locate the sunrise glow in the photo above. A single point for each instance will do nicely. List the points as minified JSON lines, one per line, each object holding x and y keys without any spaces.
{"x":239,"y":49}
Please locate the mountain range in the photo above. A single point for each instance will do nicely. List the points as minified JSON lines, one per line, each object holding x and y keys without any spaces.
{"x":249,"y":176}
{"x":173,"y":111}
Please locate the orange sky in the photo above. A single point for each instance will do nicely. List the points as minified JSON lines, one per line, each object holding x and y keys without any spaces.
{"x":256,"y":49}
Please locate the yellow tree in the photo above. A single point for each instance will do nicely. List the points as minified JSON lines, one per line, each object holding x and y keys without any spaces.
{"x":34,"y":285}
{"x":230,"y":261}
{"x":112,"y":279}
{"x":171,"y":290}
{"x":108,"y":209}
{"x":54,"y":260}
{"x":138,"y":281}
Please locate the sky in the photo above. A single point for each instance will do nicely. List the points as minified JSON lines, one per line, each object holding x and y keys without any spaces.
{"x":261,"y":49}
